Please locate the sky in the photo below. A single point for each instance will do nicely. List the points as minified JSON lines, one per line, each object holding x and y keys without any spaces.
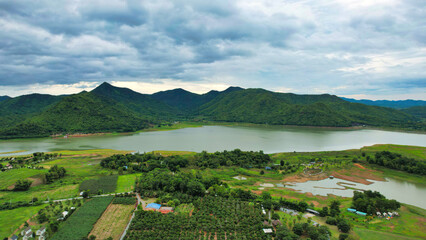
{"x":353,"y":48}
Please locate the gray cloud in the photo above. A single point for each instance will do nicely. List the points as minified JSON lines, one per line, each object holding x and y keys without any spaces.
{"x":341,"y":47}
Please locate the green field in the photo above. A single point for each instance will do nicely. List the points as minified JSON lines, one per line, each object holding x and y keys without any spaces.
{"x":366,"y":234}
{"x":10,"y":220}
{"x":104,"y":184}
{"x":80,"y":223}
{"x":8,"y":178}
{"x":126,"y":183}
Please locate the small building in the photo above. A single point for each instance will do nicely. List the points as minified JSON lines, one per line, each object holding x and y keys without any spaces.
{"x":153,"y":206}
{"x":351,"y":210}
{"x":64,"y":214}
{"x":331,"y":177}
{"x":361,"y":213}
{"x":14,"y":237}
{"x":166,"y":209}
{"x":312,"y":211}
{"x":267,"y":230}
{"x":26,"y":231}
{"x":41,"y":231}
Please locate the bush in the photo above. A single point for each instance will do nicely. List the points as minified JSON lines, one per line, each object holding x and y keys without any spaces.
{"x":343,"y":236}
{"x":331,"y":221}
{"x":22,"y":185}
{"x":343,"y":226}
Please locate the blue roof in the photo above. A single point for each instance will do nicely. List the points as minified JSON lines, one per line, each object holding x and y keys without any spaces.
{"x":351,"y":210}
{"x":361,"y":213}
{"x":154,"y":205}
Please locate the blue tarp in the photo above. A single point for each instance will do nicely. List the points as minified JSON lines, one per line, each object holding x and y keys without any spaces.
{"x":153,"y":205}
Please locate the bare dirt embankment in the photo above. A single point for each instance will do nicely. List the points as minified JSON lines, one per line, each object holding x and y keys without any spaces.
{"x":357,"y":173}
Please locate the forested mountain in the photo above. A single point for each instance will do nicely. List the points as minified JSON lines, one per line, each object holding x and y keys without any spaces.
{"x":2,"y":98}
{"x":83,"y":112}
{"x":418,"y":111}
{"x":399,"y":104}
{"x":188,"y":101}
{"x":140,"y":103}
{"x":109,"y":108}
{"x":261,"y":106}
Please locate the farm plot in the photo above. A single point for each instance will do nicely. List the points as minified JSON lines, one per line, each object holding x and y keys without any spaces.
{"x":113,"y":221}
{"x":126,"y":183}
{"x":212,"y":218}
{"x":79,"y":224}
{"x":105,"y":184}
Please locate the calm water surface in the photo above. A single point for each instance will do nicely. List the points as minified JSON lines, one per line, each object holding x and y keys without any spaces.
{"x":402,"y":191}
{"x":218,"y":138}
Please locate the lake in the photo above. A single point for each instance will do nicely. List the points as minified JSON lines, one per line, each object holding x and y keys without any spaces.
{"x":402,"y":191}
{"x":218,"y":138}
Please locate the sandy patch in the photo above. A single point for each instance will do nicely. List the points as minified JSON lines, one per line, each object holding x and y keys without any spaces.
{"x":240,"y":178}
{"x":36,"y":181}
{"x":316,"y":204}
{"x":267,"y":185}
{"x":302,"y":177}
{"x":358,"y":175}
{"x":256,"y":192}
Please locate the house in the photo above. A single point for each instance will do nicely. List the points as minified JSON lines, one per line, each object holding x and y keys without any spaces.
{"x":64,"y":214}
{"x":166,"y":209}
{"x":312,"y":211}
{"x":267,"y":230}
{"x":41,"y":231}
{"x":26,"y":231}
{"x":28,"y":236}
{"x":14,"y":237}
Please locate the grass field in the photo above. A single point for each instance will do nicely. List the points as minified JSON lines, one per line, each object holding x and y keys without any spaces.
{"x":80,"y":223}
{"x":126,"y":183}
{"x":10,"y":220}
{"x":112,"y":222}
{"x":8,"y":178}
{"x":366,"y":234}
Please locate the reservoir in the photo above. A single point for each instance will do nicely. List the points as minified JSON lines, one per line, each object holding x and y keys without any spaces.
{"x":219,"y":138}
{"x":402,"y":191}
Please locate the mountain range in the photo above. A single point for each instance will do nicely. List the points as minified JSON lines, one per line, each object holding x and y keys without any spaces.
{"x":112,"y":109}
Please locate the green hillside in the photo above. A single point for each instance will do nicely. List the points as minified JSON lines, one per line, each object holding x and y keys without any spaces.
{"x":3,"y":98}
{"x":83,"y":112}
{"x":187,"y":101}
{"x":142,"y":104}
{"x":262,"y":106}
{"x":418,"y":111}
{"x":112,"y":109}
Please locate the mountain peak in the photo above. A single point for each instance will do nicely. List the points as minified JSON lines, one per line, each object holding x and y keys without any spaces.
{"x":233,"y":89}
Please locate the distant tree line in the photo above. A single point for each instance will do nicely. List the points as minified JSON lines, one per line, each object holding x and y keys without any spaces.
{"x":147,"y":162}
{"x":398,"y":162}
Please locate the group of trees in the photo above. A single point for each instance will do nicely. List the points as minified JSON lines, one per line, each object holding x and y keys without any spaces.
{"x":22,"y":185}
{"x":147,"y":162}
{"x":54,"y":173}
{"x":371,"y":202}
{"x":333,"y":211}
{"x":398,"y":162}
{"x":185,"y":187}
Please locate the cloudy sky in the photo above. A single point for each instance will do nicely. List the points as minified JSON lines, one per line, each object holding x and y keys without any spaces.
{"x":354,"y":48}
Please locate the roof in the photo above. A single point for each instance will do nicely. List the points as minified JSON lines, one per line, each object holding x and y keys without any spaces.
{"x":153,"y":205}
{"x":166,"y":208}
{"x":14,"y":237}
{"x":276,"y":222}
{"x":312,"y":211}
{"x":267,"y":230}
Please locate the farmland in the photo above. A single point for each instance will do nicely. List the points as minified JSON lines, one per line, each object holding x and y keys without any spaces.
{"x":210,"y":218}
{"x":126,"y":183}
{"x":104,"y":184}
{"x":113,"y":221}
{"x":12,"y":219}
{"x":81,"y":222}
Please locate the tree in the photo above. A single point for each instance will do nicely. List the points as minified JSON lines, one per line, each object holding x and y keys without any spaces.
{"x":275,"y":216}
{"x":120,"y":170}
{"x":324,"y":212}
{"x":343,"y":236}
{"x":343,"y":226}
{"x":262,"y":172}
{"x":298,"y":229}
{"x":22,"y":185}
{"x":282,"y":163}
{"x":334,"y":208}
